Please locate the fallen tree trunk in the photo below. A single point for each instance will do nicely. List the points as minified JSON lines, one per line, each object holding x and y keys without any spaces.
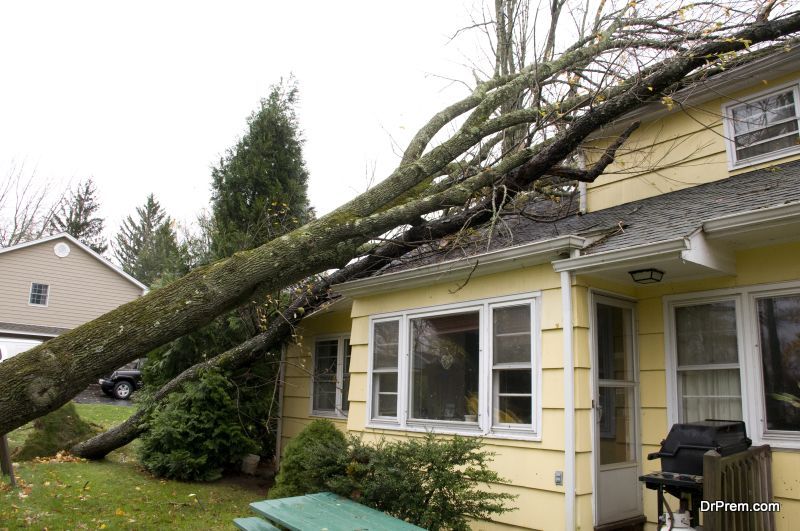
{"x":47,"y":376}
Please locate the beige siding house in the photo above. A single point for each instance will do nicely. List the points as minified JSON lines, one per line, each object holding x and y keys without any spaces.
{"x":51,"y":285}
{"x":571,"y":347}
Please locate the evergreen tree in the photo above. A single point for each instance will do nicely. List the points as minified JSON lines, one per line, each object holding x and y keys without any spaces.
{"x":147,"y":247}
{"x":77,"y":215}
{"x":259,"y":187}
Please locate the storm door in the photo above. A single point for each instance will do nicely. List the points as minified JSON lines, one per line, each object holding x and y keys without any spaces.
{"x":616,"y":434}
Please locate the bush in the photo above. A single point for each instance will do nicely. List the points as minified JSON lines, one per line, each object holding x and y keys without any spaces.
{"x":196,"y":434}
{"x":433,"y":483}
{"x":311,"y":461}
{"x":56,"y":431}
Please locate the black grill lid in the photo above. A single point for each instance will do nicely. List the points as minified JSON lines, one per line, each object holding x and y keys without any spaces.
{"x":682,"y":451}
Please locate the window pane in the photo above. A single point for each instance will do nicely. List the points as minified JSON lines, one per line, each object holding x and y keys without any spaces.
{"x":761,"y":113}
{"x":768,"y":147}
{"x":324,"y":396}
{"x":706,"y":333}
{"x":387,"y":405}
{"x":518,"y":382}
{"x":325,"y":360}
{"x":386,"y":337}
{"x":348,"y":352}
{"x":615,"y":420}
{"x":513,"y":410}
{"x":614,"y":342}
{"x":779,"y":330}
{"x":385,"y":394}
{"x":512,"y":334}
{"x":445,"y":352}
{"x":711,"y":394}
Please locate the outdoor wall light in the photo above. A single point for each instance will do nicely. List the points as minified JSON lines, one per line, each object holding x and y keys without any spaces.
{"x":646,"y":276}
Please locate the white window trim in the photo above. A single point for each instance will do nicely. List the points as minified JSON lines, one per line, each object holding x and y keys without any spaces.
{"x":337,"y":413}
{"x":727,"y":122}
{"x":47,"y":299}
{"x":484,"y":427}
{"x":750,"y":368}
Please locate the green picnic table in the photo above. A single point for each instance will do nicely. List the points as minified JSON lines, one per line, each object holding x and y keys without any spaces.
{"x":323,"y":511}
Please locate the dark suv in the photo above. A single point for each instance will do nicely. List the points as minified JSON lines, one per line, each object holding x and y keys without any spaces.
{"x":124,"y":381}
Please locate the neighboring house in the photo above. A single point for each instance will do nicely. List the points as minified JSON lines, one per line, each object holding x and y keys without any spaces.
{"x":545,"y":345}
{"x":51,"y":285}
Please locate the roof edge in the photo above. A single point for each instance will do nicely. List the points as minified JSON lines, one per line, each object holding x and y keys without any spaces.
{"x":617,"y":257}
{"x":739,"y":222}
{"x":83,"y":246}
{"x":539,"y":252}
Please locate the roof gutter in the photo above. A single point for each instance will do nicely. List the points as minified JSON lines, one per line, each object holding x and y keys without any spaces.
{"x":621,"y":257}
{"x":763,"y":218}
{"x":493,"y":262}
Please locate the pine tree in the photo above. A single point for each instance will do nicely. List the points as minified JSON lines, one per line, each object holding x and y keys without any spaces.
{"x":147,"y":247}
{"x":259,"y":187}
{"x":77,"y":215}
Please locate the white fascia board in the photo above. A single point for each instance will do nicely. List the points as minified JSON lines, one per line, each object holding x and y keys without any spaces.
{"x":620,"y":257}
{"x":493,"y":262}
{"x":5,"y":332}
{"x":80,"y":244}
{"x":705,"y":254}
{"x":742,"y":222}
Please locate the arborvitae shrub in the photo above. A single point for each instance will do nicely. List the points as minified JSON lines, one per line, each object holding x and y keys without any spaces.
{"x":196,"y":434}
{"x":311,"y":460}
{"x":435,"y":483}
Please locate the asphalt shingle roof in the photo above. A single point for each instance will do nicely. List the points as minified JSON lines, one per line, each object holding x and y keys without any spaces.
{"x":664,"y":217}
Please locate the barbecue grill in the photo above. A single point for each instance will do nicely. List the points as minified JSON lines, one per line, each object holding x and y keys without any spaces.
{"x":681,"y":457}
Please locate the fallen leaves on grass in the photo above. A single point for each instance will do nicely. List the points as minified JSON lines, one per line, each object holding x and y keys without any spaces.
{"x":61,"y":457}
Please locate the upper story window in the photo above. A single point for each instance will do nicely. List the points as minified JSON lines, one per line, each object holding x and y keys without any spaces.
{"x":468,"y":368}
{"x":331,"y":381}
{"x":38,"y":295}
{"x":764,"y":127}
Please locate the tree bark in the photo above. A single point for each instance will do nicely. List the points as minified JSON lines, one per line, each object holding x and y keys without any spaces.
{"x":42,"y":379}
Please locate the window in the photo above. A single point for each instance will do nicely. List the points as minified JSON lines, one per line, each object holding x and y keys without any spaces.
{"x":331,"y":381}
{"x":763,"y":128}
{"x":779,"y":339}
{"x":736,"y":355}
{"x":463,"y":368}
{"x":38,"y":294}
{"x":706,"y":342}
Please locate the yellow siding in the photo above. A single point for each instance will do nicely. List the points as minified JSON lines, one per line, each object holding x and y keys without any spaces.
{"x":529,"y":467}
{"x":681,"y":149}
{"x":752,"y":269}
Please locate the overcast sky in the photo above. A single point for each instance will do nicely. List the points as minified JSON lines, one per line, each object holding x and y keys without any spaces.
{"x":145,"y":96}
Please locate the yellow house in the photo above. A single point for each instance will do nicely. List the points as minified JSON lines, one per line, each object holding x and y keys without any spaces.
{"x":572,"y":346}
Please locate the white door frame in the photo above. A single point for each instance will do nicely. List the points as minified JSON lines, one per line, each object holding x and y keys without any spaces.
{"x":613,"y":299}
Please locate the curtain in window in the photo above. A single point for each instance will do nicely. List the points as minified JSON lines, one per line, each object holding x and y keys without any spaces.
{"x":708,"y":361}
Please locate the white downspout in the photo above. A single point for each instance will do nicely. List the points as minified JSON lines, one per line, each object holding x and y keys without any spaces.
{"x":569,"y":401}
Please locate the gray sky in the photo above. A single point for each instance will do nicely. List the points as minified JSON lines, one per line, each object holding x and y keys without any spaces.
{"x":145,"y":96}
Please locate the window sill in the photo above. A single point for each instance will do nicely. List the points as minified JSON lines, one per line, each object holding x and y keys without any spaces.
{"x":506,"y":434}
{"x":761,"y":159}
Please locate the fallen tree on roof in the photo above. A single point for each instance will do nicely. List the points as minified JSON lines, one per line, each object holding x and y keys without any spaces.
{"x":620,"y":62}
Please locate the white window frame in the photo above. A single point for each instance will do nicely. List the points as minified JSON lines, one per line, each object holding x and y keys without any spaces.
{"x":47,"y":297}
{"x":750,"y":365}
{"x":341,"y":353}
{"x":484,"y":427}
{"x":727,"y":119}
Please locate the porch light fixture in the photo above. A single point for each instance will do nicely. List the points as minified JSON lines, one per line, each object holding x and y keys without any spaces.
{"x":646,"y":276}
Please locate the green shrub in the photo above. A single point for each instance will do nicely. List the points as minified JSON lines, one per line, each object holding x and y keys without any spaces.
{"x":311,"y":461}
{"x":56,"y":431}
{"x":434,"y":483}
{"x":196,"y":434}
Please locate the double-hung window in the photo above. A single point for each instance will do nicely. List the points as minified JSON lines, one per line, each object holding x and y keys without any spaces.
{"x":38,"y":294}
{"x":763,"y":127}
{"x":331,"y":378}
{"x":468,"y":368}
{"x":736,"y":356}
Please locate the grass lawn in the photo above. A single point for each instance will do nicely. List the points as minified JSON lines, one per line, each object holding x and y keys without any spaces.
{"x":117,"y":493}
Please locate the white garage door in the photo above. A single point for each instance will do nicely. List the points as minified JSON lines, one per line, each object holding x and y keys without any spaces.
{"x":10,"y":347}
